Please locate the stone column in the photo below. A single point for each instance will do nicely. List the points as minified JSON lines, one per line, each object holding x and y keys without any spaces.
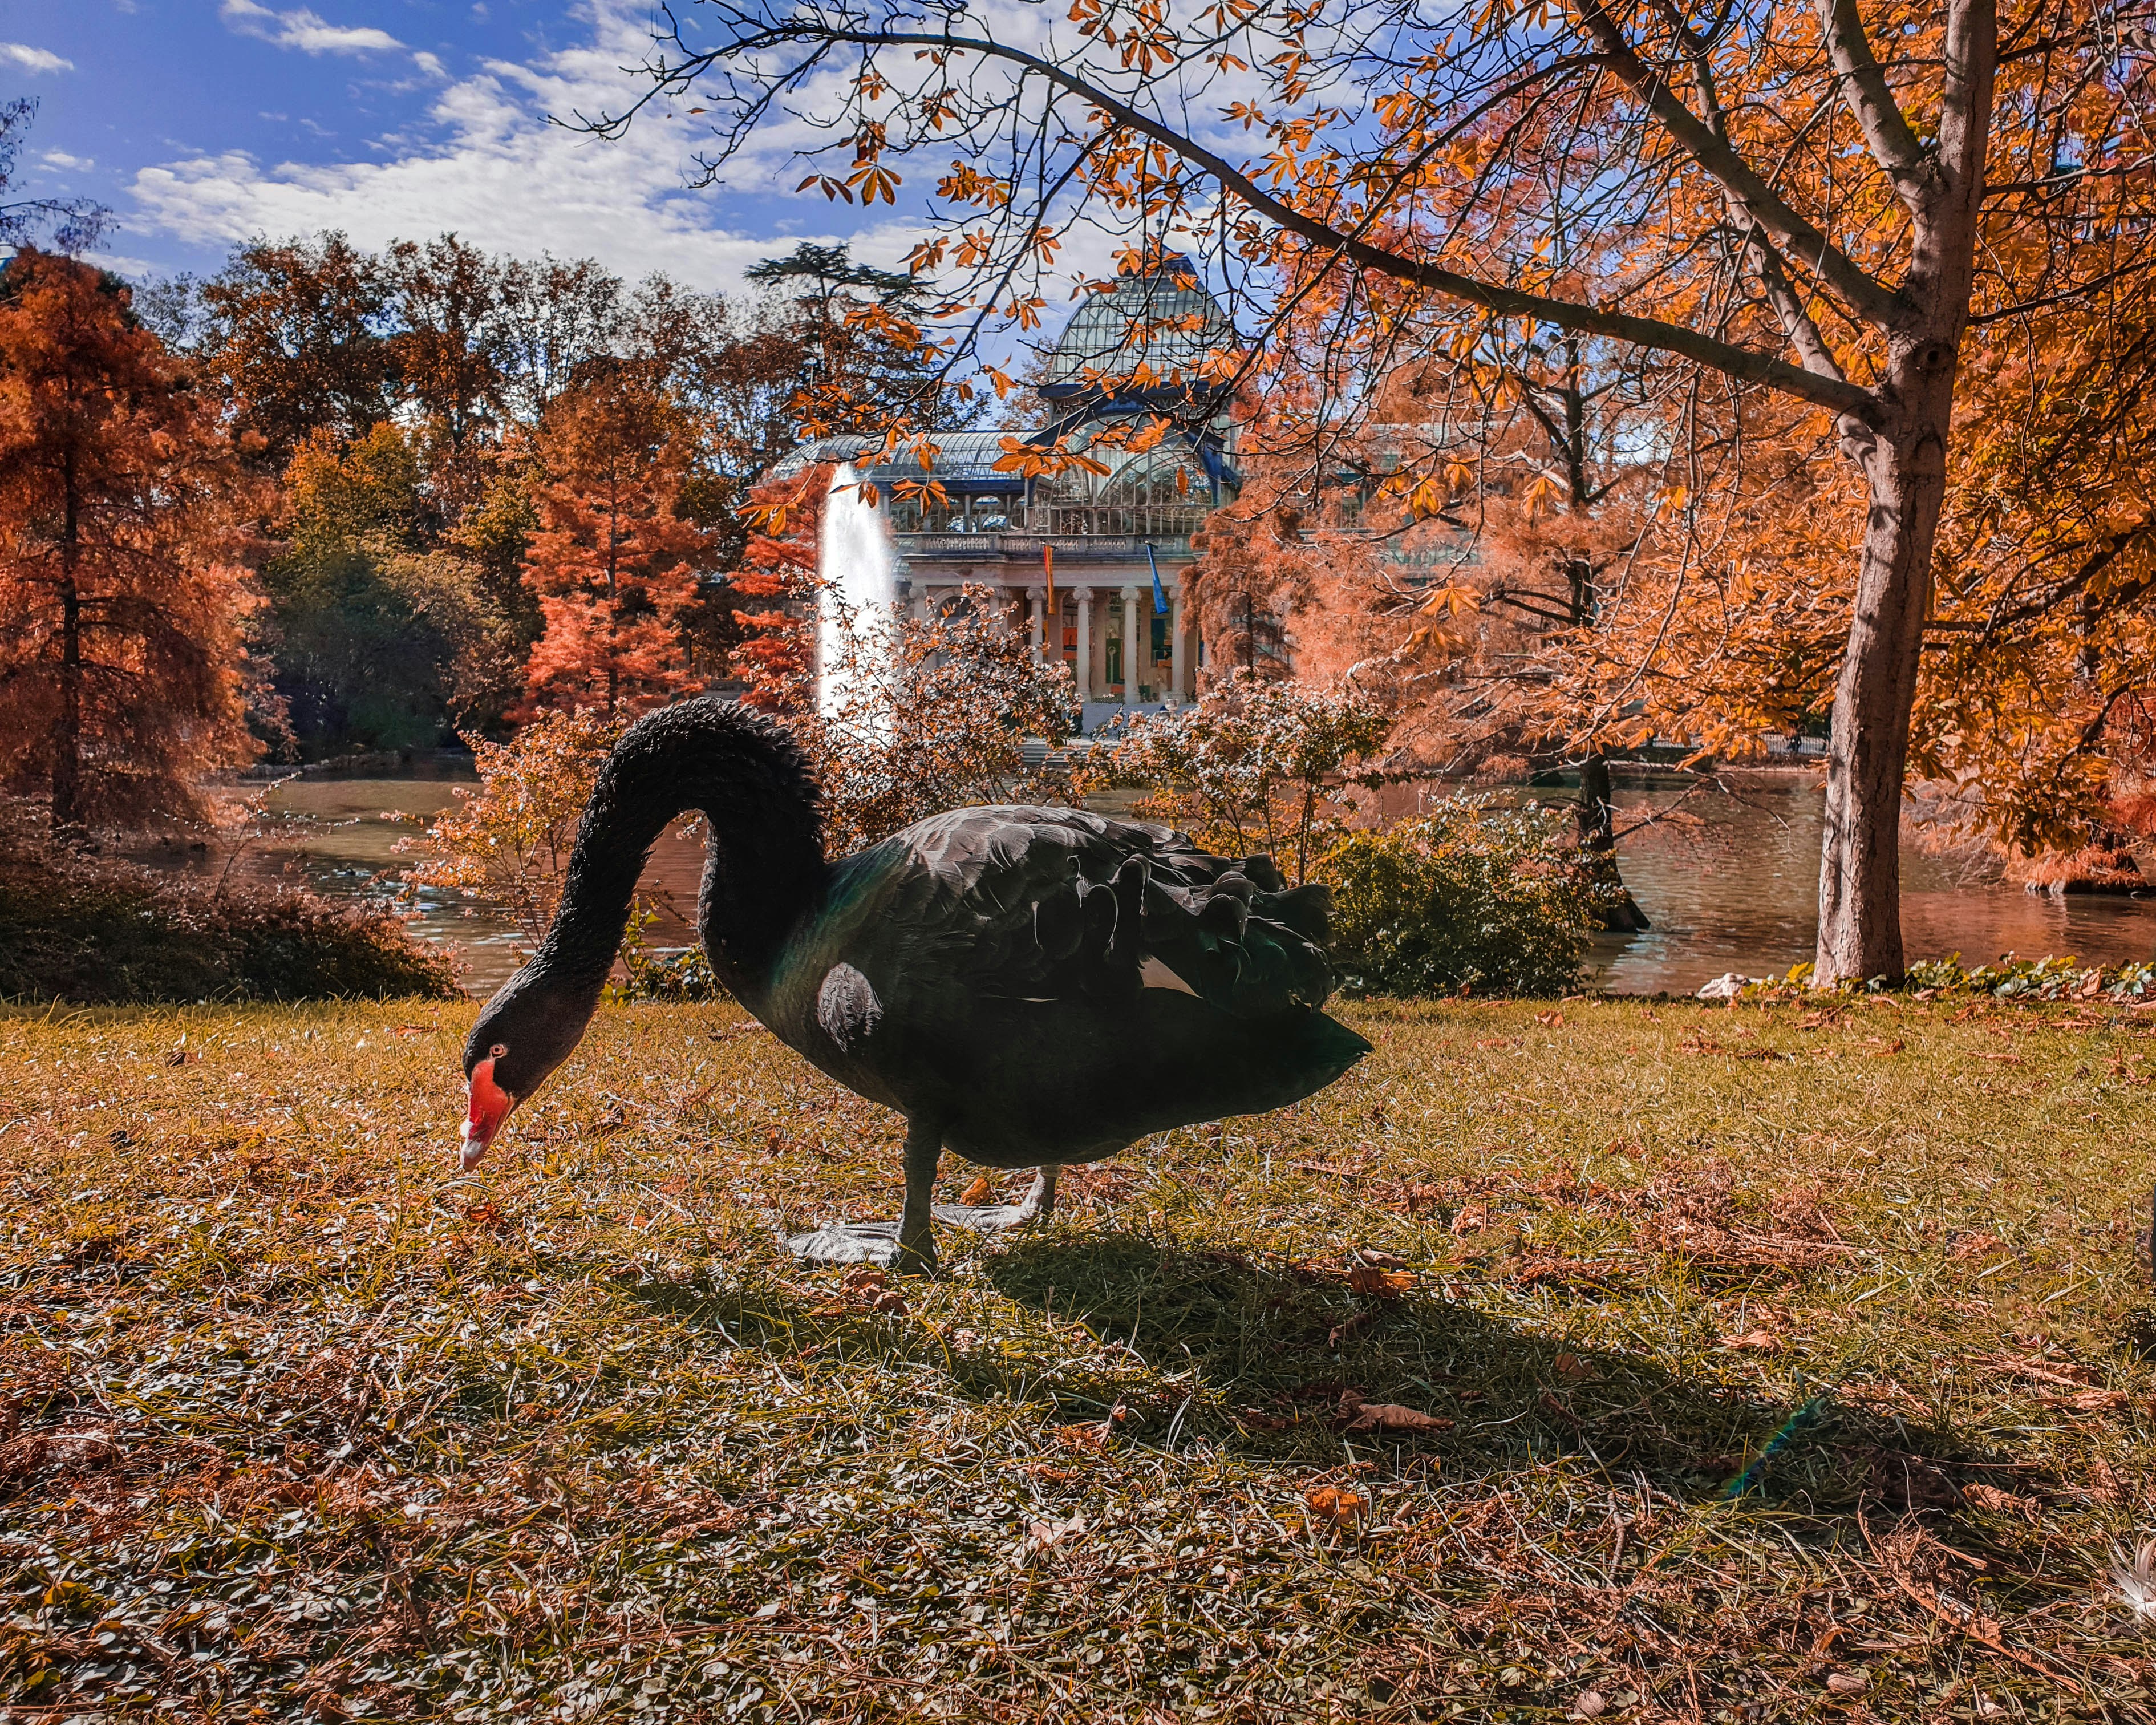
{"x":1039,"y":621}
{"x":1177,"y":689}
{"x":1135,"y":650}
{"x":1083,"y":669}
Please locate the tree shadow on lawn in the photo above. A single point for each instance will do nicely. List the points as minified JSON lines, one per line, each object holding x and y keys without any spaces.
{"x":1265,"y":1357}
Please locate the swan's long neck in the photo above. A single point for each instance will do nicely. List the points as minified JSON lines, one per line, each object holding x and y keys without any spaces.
{"x":765,"y":868}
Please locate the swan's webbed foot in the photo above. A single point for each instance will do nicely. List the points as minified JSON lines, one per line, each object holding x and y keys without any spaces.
{"x":994,"y":1217}
{"x":884,"y":1243}
{"x":906,"y":1246}
{"x":847,"y":1243}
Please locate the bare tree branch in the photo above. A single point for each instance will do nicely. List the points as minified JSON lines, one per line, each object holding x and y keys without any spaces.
{"x":1748,"y":364}
{"x":1872,"y":102}
{"x":1872,"y":299}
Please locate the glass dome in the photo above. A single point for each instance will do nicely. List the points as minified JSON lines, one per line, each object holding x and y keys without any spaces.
{"x":1164,"y":492}
{"x":1163,"y":320}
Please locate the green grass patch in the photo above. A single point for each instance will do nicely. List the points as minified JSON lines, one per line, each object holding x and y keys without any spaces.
{"x":1633,"y":1361}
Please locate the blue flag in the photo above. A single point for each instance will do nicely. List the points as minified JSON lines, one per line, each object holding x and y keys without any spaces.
{"x":1159,"y":597}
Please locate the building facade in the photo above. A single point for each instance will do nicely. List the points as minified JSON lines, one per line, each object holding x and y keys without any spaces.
{"x":1092,"y":564}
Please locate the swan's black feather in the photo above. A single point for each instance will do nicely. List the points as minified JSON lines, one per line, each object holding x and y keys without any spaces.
{"x":1040,"y":904}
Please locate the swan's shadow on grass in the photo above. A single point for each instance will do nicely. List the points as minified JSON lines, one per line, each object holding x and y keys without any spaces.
{"x":1254,"y":1354}
{"x":1278,"y":1346}
{"x":1281,"y":1348}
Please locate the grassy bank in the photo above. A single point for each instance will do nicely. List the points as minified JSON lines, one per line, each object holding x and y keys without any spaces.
{"x":1775,"y":1366}
{"x":80,"y":927}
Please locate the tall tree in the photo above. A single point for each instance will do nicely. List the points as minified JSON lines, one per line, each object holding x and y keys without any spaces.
{"x":555,"y":317}
{"x":2039,"y":704}
{"x":301,"y":329}
{"x":778,"y":578}
{"x":615,"y":562}
{"x":736,"y":366}
{"x":121,"y":589}
{"x":385,"y":623}
{"x":448,"y":344}
{"x":865,"y":363}
{"x":1746,"y":185}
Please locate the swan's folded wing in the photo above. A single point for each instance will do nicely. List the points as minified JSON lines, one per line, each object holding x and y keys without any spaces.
{"x":1045,"y":904}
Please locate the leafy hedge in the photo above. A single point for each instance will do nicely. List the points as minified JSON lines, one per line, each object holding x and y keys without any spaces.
{"x":675,"y":974}
{"x":1472,"y":898}
{"x":2031,"y":981}
{"x":98,"y":930}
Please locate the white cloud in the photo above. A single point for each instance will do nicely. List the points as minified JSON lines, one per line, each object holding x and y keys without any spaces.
{"x":305,"y":30}
{"x":127,"y":267}
{"x":61,"y":160}
{"x":487,"y":164}
{"x":34,"y":60}
{"x":490,"y":166}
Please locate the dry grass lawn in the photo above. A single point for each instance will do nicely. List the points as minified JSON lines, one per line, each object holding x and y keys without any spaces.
{"x":1625,"y":1361}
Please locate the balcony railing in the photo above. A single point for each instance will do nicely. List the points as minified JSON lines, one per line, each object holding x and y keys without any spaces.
{"x":1026,"y":547}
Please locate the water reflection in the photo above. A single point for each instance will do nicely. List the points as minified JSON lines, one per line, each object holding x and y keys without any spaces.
{"x":337,"y":834}
{"x":1730,"y":884}
{"x":1734,"y":886}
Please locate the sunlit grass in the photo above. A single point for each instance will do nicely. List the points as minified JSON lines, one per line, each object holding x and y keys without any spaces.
{"x":1793,"y":1364}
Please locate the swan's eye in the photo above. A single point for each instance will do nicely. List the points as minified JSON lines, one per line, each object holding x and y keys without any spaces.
{"x":497,"y":1051}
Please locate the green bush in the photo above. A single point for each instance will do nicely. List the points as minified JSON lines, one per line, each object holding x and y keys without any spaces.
{"x":1471,"y":897}
{"x":99,"y":930}
{"x":677,"y":974}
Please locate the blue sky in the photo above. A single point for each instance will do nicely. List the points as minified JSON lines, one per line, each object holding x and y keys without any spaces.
{"x":202,"y":122}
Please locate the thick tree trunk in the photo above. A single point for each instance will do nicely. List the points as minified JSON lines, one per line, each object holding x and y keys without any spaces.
{"x":1903,"y":455}
{"x":66,"y":743}
{"x":1904,"y":465}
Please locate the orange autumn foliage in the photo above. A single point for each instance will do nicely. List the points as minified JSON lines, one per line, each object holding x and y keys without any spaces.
{"x":1800,"y":225}
{"x":615,"y":564}
{"x":778,"y":657}
{"x":123,"y":676}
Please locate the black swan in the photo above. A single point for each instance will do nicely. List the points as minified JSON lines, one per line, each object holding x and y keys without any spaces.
{"x":1028,"y":986}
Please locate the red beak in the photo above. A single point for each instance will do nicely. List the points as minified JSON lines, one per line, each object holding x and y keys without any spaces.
{"x":490,"y":1105}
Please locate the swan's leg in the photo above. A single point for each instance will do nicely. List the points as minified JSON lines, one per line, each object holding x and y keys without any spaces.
{"x":993,"y":1218}
{"x":906,"y":1244}
{"x":1041,"y":1201}
{"x":917,"y":1239}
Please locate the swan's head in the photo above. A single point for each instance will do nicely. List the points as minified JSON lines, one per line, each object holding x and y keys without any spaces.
{"x":524,"y":1033}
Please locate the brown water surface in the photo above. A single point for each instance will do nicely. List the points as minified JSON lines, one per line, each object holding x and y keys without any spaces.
{"x":1729,"y":886}
{"x":338,"y":833}
{"x":1735,"y":887}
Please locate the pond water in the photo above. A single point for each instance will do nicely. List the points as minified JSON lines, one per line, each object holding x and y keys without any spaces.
{"x":1732,"y":883}
{"x":1728,"y":880}
{"x":338,"y":833}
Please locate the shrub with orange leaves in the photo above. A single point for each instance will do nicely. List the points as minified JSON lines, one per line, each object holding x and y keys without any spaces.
{"x":1258,"y":765}
{"x":932,"y":714}
{"x":510,"y":840}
